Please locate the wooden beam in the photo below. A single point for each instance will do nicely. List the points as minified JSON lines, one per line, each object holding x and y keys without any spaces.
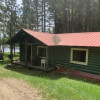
{"x":11,"y":53}
{"x":26,"y":53}
{"x":33,"y":43}
{"x":31,"y":54}
{"x":47,"y":58}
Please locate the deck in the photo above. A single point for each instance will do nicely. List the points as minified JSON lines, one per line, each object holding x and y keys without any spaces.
{"x":29,"y":65}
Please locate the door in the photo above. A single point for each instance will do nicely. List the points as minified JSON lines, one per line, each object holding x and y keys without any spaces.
{"x":29,"y":53}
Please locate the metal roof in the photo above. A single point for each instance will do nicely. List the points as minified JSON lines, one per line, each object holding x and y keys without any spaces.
{"x":90,"y":39}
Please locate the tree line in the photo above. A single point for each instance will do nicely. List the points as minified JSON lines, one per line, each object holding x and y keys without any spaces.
{"x":53,"y":16}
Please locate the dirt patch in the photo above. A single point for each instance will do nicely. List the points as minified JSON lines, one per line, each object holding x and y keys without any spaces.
{"x":13,"y":89}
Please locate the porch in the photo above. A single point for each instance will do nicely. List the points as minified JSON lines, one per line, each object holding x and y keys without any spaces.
{"x":33,"y":56}
{"x":30,"y":66}
{"x":33,"y":52}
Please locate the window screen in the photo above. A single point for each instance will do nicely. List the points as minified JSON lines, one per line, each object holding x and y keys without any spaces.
{"x":42,"y":52}
{"x":79,"y":55}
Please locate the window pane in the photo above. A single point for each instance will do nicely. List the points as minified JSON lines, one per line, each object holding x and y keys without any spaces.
{"x":79,"y":55}
{"x":42,"y":52}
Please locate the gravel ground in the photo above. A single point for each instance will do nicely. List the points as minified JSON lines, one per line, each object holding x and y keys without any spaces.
{"x":13,"y":89}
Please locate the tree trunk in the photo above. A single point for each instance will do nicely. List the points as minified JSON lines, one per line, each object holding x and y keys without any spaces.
{"x":44,"y":17}
{"x":3,"y":49}
{"x":37,"y":15}
{"x":72,"y":21}
{"x":14,"y":50}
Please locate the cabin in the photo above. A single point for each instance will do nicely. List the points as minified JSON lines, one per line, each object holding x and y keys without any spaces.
{"x":47,"y":51}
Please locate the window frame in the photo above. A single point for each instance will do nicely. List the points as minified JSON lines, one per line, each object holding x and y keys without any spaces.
{"x":38,"y":50}
{"x":78,"y":62}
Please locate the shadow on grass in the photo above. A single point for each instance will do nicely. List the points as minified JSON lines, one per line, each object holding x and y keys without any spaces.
{"x":6,"y":58}
{"x":4,"y":62}
{"x":51,"y":75}
{"x":34,"y":72}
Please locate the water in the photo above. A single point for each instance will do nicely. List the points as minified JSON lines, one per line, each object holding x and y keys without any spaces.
{"x":7,"y":49}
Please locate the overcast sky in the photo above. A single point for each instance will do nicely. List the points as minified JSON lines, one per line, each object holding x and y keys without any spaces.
{"x":19,"y":1}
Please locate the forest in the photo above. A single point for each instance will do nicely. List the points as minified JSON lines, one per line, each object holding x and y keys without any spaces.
{"x":50,"y":66}
{"x":53,"y":16}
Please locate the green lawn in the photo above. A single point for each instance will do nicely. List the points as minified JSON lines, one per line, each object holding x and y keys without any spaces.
{"x":53,"y":86}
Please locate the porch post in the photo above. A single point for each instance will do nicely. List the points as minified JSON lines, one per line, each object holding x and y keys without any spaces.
{"x":31,"y":54}
{"x":47,"y":58}
{"x":11,"y":53}
{"x":26,"y":54}
{"x":20,"y":50}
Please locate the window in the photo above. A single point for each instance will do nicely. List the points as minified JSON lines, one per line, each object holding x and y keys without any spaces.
{"x":41,"y":51}
{"x":79,"y":56}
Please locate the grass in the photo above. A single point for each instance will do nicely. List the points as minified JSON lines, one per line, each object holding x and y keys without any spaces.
{"x":52,"y":86}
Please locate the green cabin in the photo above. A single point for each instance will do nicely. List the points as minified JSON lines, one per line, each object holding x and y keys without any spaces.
{"x":47,"y":51}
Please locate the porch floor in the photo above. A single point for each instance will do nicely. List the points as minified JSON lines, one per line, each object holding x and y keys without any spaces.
{"x":29,"y":65}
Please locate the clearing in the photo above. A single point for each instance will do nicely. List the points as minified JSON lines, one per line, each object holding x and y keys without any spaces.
{"x":21,"y":83}
{"x":13,"y":89}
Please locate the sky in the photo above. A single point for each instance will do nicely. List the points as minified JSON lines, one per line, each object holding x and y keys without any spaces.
{"x":19,"y":1}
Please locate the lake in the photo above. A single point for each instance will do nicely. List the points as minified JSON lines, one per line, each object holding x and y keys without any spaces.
{"x":7,"y":49}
